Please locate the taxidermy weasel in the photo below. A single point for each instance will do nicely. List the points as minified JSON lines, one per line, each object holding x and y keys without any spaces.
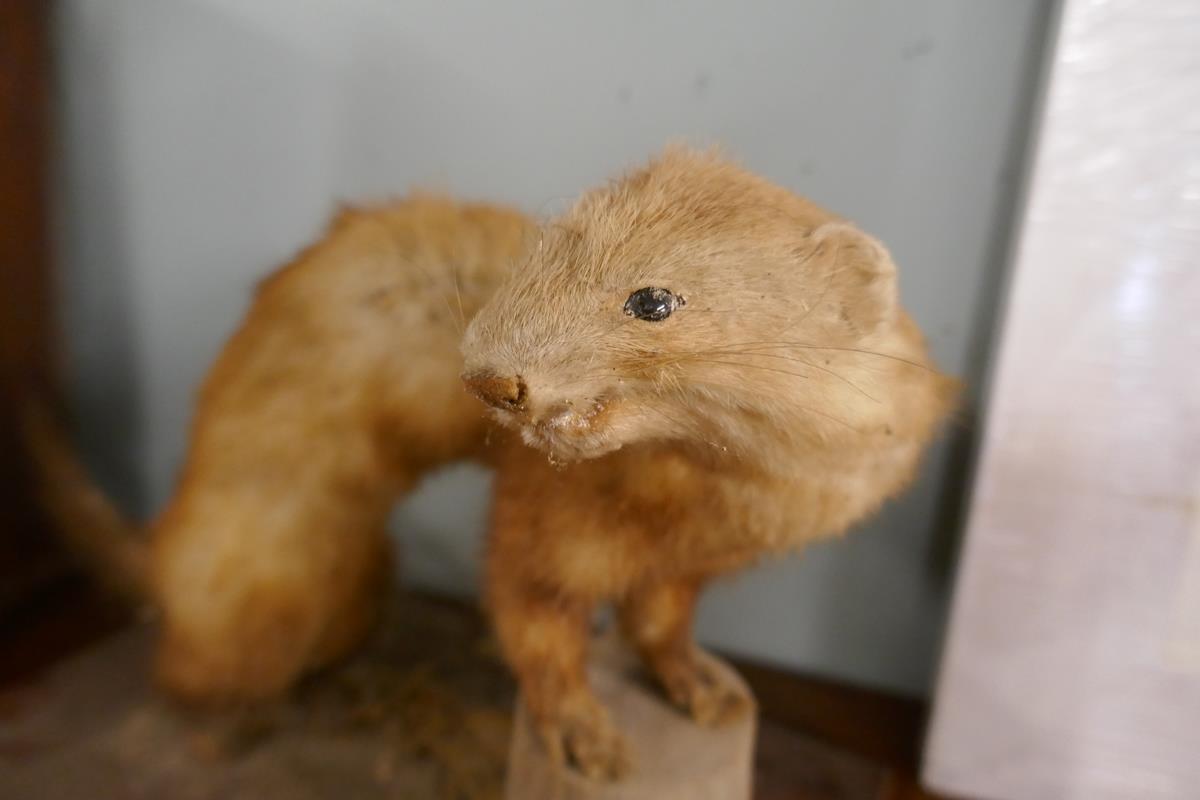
{"x":702,"y":369}
{"x":689,"y":370}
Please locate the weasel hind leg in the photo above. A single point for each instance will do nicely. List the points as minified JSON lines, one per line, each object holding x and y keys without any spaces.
{"x":277,"y":595}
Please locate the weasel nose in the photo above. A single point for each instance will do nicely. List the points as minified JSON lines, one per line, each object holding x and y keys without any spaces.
{"x":497,"y":391}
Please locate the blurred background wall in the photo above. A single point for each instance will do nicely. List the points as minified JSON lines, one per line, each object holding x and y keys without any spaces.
{"x":203,"y":142}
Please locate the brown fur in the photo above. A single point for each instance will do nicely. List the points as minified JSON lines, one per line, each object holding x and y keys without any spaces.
{"x":786,"y":400}
{"x":339,"y":389}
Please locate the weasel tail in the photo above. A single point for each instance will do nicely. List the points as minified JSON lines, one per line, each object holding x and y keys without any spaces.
{"x":113,"y":546}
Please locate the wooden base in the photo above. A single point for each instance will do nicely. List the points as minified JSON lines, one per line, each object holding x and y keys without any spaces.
{"x":423,"y":712}
{"x":674,"y":758}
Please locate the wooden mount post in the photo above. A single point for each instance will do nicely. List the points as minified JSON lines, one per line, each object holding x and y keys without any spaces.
{"x":674,"y":758}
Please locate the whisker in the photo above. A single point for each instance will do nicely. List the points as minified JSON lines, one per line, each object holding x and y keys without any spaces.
{"x":808,"y":409}
{"x":749,"y":366}
{"x":462,"y":315}
{"x":675,"y":421}
{"x":810,"y":346}
{"x":820,"y":298}
{"x":806,"y":363}
{"x":842,"y":378}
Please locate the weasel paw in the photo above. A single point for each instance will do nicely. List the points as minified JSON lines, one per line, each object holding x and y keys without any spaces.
{"x":698,"y":688}
{"x":589,"y":743}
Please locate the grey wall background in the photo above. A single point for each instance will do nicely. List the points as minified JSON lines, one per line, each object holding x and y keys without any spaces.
{"x":204,"y":141}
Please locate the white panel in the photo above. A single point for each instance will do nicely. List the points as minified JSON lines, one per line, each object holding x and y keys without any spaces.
{"x":1070,"y":671}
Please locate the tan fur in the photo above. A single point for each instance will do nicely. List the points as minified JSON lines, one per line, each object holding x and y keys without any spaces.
{"x":786,"y":400}
{"x":339,"y":389}
{"x":91,"y":525}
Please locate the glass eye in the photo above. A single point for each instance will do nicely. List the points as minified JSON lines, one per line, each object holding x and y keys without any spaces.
{"x":652,"y":304}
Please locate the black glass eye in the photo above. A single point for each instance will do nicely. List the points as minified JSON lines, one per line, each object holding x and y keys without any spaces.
{"x":652,"y":304}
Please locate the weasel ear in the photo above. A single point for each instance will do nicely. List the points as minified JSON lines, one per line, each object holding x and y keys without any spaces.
{"x":854,"y":274}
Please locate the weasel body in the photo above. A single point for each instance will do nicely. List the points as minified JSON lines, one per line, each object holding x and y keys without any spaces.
{"x":689,"y":370}
{"x":337,"y":392}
